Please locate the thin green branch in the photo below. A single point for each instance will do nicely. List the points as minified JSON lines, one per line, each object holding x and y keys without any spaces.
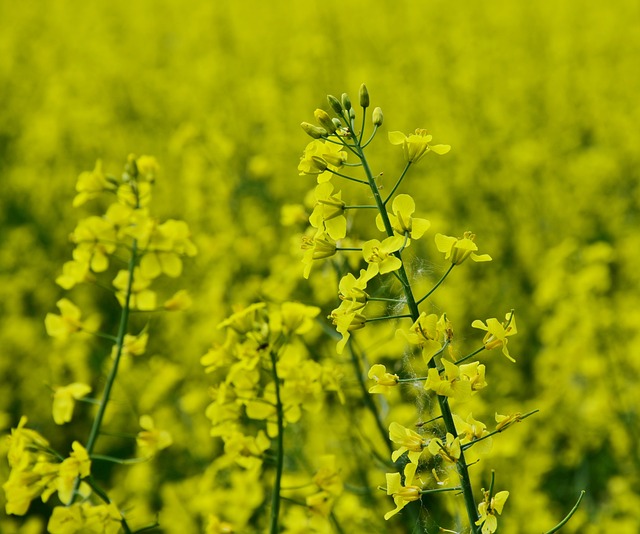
{"x":569,"y":515}
{"x":398,"y":182}
{"x":437,"y":285}
{"x":465,"y":358}
{"x":388,"y":317}
{"x":502,"y":429}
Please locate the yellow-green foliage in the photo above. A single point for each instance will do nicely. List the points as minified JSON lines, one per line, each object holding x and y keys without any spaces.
{"x":539,"y":101}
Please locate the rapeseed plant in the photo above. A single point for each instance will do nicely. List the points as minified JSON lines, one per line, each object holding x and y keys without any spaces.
{"x":125,"y":233}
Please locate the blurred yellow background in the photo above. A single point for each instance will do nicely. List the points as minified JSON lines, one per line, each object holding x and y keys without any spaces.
{"x":539,"y":101}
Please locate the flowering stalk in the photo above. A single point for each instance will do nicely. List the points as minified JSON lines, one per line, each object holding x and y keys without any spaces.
{"x":443,"y":401}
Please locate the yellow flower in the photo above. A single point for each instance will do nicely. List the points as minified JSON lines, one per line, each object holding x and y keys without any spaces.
{"x":459,"y":249}
{"x":319,"y":247}
{"x":319,"y":156}
{"x":352,"y":289}
{"x":216,"y":526}
{"x":91,"y":184}
{"x":64,"y":401}
{"x":150,"y":440}
{"x":298,"y":318}
{"x":384,"y":381}
{"x":402,"y":221}
{"x":167,"y":242}
{"x":68,"y":322}
{"x":429,"y":333}
{"x":379,"y":255}
{"x":95,"y":239}
{"x":409,"y":441}
{"x":142,"y":298}
{"x":402,"y":495}
{"x":449,"y":383}
{"x":328,"y":213}
{"x":180,"y":301}
{"x":449,"y":451}
{"x":497,"y":333}
{"x":327,"y":476}
{"x":471,"y":430}
{"x":505,"y":421}
{"x":488,"y":509}
{"x":416,"y":145}
{"x":249,"y":319}
{"x":77,"y":465}
{"x":74,"y":272}
{"x":346,"y":319}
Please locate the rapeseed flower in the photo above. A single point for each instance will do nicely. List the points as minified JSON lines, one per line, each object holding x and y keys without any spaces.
{"x":402,"y":495}
{"x":401,"y":220}
{"x":497,"y":333}
{"x":415,"y":146}
{"x":459,"y":249}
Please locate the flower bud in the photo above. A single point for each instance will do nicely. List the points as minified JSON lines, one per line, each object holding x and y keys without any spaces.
{"x":335,"y":104}
{"x":324,"y":120}
{"x":352,"y":113}
{"x":319,"y":163}
{"x":314,"y":131}
{"x":346,"y":101}
{"x":337,"y":123}
{"x":377,"y":117}
{"x":364,"y":97}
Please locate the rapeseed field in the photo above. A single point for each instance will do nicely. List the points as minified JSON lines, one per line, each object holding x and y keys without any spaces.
{"x":415,"y":313}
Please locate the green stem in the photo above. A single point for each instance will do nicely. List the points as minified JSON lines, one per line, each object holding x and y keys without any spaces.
{"x":388,"y":317}
{"x":447,"y":416}
{"x":465,"y":358}
{"x":347,"y":177}
{"x":569,"y":515}
{"x":438,"y":284}
{"x":122,"y":330}
{"x":275,"y":497}
{"x":406,"y":168}
{"x":472,"y":443}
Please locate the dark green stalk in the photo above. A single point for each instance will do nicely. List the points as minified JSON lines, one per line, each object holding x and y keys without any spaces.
{"x":122,"y":330}
{"x":275,"y":498}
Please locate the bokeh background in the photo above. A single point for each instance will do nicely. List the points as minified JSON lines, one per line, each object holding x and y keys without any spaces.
{"x":539,"y":101}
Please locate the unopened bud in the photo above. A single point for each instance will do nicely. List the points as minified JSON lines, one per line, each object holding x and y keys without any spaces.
{"x":346,"y":101}
{"x":352,"y":113}
{"x":337,"y":123}
{"x":324,"y":120}
{"x":364,"y":97}
{"x":320,"y":163}
{"x":335,"y":104}
{"x":314,"y":131}
{"x":377,"y":117}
